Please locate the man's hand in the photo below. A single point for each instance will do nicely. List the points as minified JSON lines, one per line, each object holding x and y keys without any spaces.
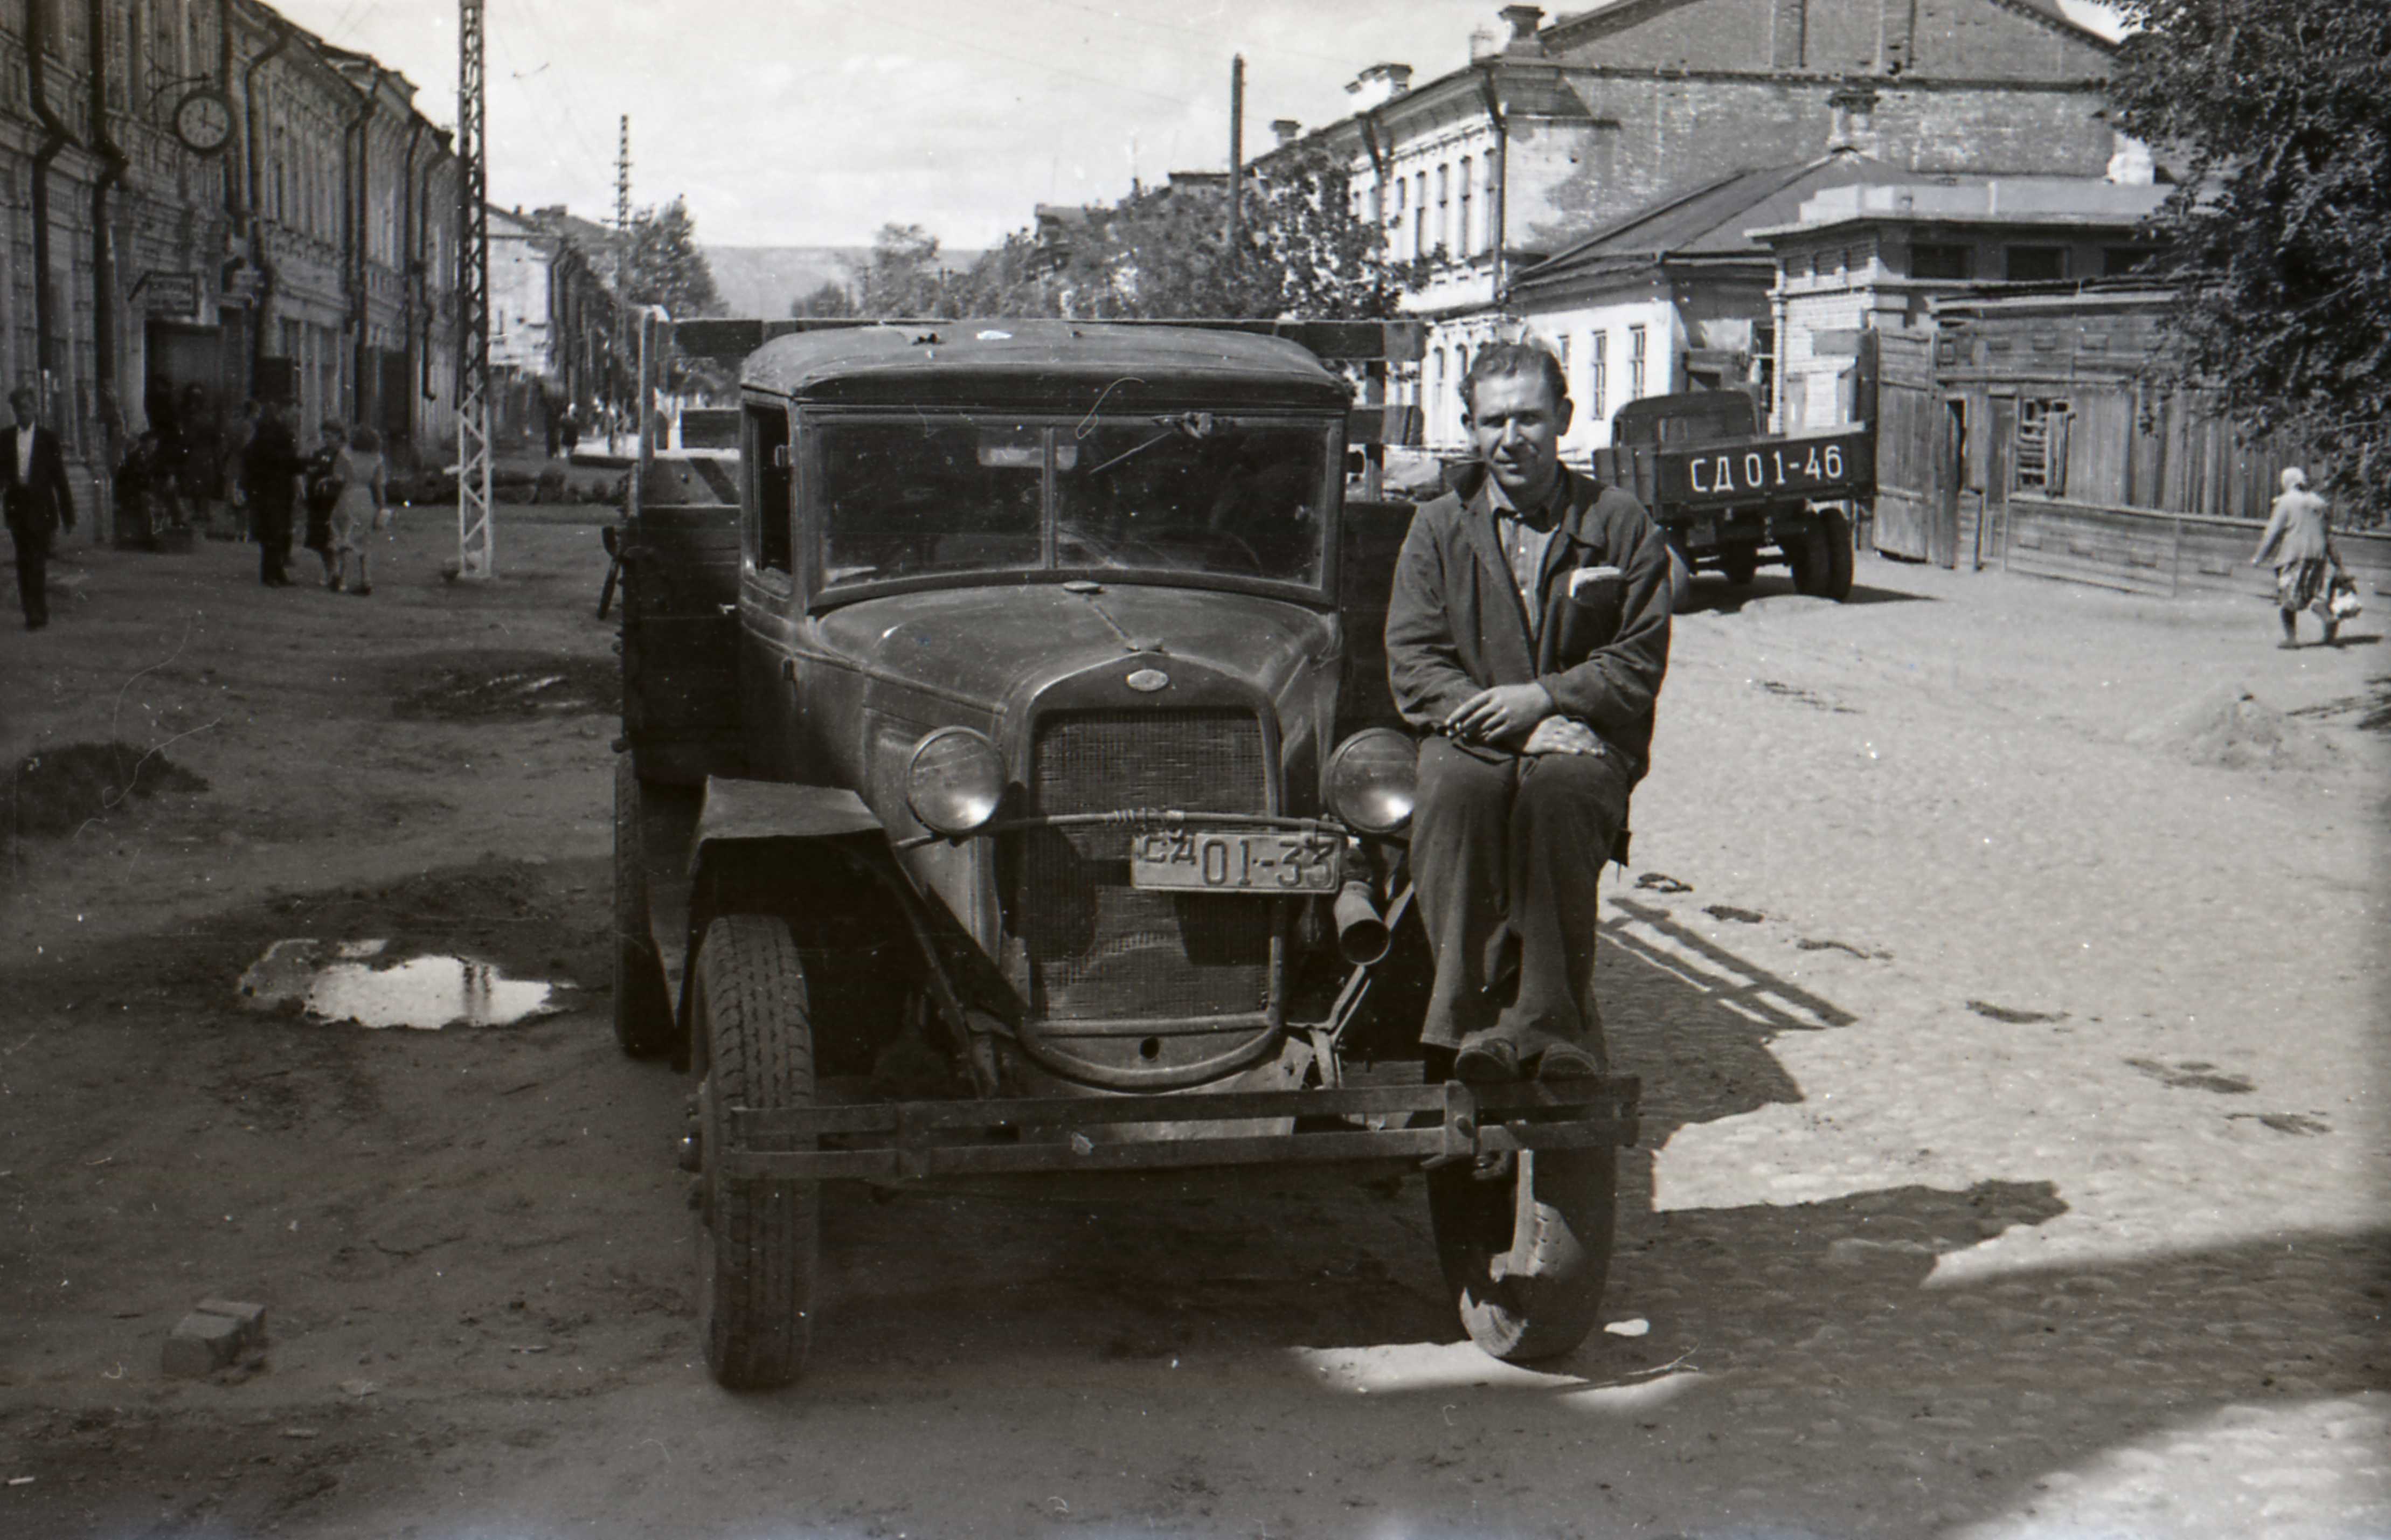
{"x":1500,"y":713}
{"x":1562,"y":735}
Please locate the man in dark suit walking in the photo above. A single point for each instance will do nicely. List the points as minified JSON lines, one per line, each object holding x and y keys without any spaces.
{"x":33,"y":489}
{"x":268,"y":466}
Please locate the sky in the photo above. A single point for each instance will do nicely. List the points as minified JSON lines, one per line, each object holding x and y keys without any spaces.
{"x":812,"y":122}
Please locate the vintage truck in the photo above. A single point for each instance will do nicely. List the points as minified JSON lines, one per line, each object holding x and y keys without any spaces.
{"x":1009,"y":785}
{"x":1730,"y":498}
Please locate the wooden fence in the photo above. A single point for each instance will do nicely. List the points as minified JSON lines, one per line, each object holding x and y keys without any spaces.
{"x":2143,"y":552}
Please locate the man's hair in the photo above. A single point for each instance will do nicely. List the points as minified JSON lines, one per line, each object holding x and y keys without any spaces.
{"x":25,"y":393}
{"x":1512,"y":359}
{"x":364,"y":438}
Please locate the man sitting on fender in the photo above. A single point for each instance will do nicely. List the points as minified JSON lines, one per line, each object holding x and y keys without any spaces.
{"x":1527,"y":635}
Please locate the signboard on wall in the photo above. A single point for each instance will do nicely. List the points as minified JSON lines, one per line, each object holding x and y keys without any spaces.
{"x":172,"y":296}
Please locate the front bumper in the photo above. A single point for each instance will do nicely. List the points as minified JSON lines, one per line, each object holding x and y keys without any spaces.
{"x":1433,"y":1123}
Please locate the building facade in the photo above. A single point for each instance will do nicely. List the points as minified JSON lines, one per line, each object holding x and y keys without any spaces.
{"x":1561,"y":131}
{"x":555,"y":330}
{"x":201,"y":202}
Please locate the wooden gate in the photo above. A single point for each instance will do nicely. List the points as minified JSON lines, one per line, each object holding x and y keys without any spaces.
{"x":1908,"y":438}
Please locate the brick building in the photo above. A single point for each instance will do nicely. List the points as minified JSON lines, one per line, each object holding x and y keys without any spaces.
{"x":198,"y":195}
{"x":1565,"y":129}
{"x":554,"y":326}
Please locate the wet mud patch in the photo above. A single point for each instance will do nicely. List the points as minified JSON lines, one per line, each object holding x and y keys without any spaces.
{"x":358,"y":982}
{"x":1661,"y":882}
{"x":2373,"y":708}
{"x":2012,"y":1015}
{"x":2193,"y":1075}
{"x":466,"y":686}
{"x":1812,"y":943}
{"x":56,"y":791}
{"x":2285,"y":1122}
{"x":1729,"y":911}
{"x":1805,"y":697}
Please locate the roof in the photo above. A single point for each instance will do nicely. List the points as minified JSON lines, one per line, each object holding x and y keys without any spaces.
{"x":2011,"y":201}
{"x":1077,"y":361}
{"x":1712,"y":221}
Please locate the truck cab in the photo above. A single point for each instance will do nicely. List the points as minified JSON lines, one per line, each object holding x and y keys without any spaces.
{"x":1009,"y":786}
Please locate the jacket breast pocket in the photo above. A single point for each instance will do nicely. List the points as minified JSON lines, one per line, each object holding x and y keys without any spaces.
{"x":1595,"y":600}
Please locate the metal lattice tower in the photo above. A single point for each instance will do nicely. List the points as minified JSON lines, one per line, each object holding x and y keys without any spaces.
{"x":474,"y":557}
{"x":623,"y":360}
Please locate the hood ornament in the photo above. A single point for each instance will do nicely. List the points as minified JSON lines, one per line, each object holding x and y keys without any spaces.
{"x":1149,"y":681}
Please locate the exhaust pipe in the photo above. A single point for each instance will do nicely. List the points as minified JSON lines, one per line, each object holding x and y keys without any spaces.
{"x":1361,"y":933}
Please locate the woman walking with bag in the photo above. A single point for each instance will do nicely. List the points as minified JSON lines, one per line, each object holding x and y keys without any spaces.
{"x":362,"y":508}
{"x":2300,"y":536}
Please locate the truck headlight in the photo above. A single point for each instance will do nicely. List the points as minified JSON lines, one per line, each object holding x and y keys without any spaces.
{"x":955,"y":781}
{"x":1373,"y":780}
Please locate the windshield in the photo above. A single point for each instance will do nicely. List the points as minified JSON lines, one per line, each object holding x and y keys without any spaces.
{"x":1186,"y":492}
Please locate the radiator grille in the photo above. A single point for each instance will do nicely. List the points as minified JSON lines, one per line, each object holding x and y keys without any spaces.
{"x":1100,"y":950}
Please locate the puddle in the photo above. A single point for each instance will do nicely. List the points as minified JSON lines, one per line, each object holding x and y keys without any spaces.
{"x":345,"y":981}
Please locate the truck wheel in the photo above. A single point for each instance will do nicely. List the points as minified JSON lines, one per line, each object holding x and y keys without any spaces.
{"x":757,"y":1240}
{"x":1740,"y":565}
{"x":1681,"y":583}
{"x":1821,"y":557}
{"x":1526,"y":1259}
{"x":1836,"y":532}
{"x":643,"y":1014}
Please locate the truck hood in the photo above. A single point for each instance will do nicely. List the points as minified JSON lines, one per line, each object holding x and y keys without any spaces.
{"x":983,"y":647}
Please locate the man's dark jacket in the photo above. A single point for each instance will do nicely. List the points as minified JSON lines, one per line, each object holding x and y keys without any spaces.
{"x":1456,"y":626}
{"x":41,"y":503}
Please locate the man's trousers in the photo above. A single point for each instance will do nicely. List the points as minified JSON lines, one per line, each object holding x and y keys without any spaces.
{"x":1505,"y":855}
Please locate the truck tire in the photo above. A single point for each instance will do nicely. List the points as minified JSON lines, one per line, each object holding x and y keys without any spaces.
{"x":757,"y":1241}
{"x":1836,"y":532}
{"x":1549,"y":1229}
{"x":643,"y":1014}
{"x":1740,"y":565}
{"x":1821,"y":557}
{"x":1681,"y":583}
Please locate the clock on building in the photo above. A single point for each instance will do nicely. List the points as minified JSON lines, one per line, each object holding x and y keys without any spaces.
{"x":203,"y":121}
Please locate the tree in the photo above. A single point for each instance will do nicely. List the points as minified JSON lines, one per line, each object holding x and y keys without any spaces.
{"x":664,"y":265}
{"x":1164,"y":253}
{"x":2281,"y":111}
{"x":902,"y":276}
{"x":830,"y":300}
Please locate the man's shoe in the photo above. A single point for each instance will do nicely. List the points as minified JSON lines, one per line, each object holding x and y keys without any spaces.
{"x":1485,"y":1059}
{"x":1567,"y":1061}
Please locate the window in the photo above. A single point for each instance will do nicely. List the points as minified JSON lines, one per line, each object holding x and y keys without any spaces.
{"x":1419,"y":214}
{"x":1636,"y":339}
{"x":2041,"y":458}
{"x":2117,"y":261}
{"x":1929,"y":260}
{"x":766,"y":455}
{"x":1444,"y":207}
{"x":1598,"y":375}
{"x":2037,"y":263}
{"x":1439,"y":398}
{"x":1468,"y":237}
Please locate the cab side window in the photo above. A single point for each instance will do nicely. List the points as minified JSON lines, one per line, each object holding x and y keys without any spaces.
{"x":766,"y":458}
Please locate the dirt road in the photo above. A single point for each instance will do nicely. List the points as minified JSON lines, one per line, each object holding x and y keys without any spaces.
{"x":2013,"y":1038}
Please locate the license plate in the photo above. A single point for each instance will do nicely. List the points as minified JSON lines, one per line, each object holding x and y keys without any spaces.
{"x":1195,"y":860}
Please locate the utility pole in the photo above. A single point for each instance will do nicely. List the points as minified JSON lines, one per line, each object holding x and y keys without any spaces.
{"x":474,"y":556}
{"x":1236,"y":152}
{"x":622,"y":260}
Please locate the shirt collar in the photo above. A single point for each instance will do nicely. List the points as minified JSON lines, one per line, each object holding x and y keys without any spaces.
{"x":1545,"y":515}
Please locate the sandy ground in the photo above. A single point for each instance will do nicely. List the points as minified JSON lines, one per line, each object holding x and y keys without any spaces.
{"x":2014,"y":1153}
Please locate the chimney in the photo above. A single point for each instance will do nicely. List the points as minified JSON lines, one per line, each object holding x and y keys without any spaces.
{"x":1524,"y":21}
{"x":1483,"y":44}
{"x":1379,"y":84}
{"x":1852,"y":122}
{"x":1285,"y":129}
